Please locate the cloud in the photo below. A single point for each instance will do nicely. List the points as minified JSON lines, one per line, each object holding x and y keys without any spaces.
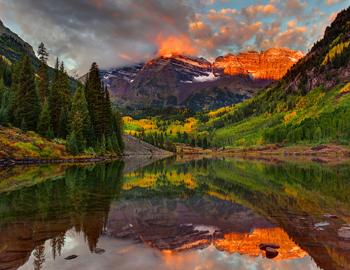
{"x":294,"y":7}
{"x":83,"y":31}
{"x":223,"y":33}
{"x":255,"y":10}
{"x":332,"y":17}
{"x":200,"y":30}
{"x":297,"y":35}
{"x":221,"y":16}
{"x":207,"y":2}
{"x":332,"y":2}
{"x":292,"y":24}
{"x":120,"y":32}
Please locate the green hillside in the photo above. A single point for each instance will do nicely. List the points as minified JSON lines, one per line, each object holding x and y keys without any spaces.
{"x":311,"y":104}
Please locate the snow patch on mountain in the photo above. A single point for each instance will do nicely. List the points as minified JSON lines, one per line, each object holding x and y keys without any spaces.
{"x":205,"y":78}
{"x":293,"y":59}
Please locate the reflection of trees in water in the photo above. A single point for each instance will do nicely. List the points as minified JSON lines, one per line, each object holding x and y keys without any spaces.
{"x":39,"y":257}
{"x":294,"y":196}
{"x":80,"y":200}
{"x":57,"y":243}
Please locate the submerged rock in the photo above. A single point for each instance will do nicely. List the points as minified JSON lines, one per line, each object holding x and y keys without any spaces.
{"x":271,"y":253}
{"x":264,"y":246}
{"x":71,"y":257}
{"x":99,"y":251}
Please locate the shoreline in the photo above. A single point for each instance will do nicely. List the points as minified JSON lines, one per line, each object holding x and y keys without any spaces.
{"x":327,"y":153}
{"x":8,"y":162}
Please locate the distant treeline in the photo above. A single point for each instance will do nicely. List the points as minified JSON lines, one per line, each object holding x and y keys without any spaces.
{"x":163,"y":140}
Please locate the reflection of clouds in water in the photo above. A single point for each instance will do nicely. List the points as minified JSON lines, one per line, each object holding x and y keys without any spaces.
{"x":126,"y":255}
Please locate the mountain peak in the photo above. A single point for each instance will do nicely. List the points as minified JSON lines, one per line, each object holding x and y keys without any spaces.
{"x":259,"y":65}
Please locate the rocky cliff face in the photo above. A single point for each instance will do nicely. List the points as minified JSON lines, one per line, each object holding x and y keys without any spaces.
{"x":12,"y":46}
{"x":272,"y":64}
{"x":328,"y":62}
{"x":196,"y":83}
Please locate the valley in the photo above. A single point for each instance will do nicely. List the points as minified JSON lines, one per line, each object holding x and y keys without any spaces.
{"x":308,"y":106}
{"x":171,"y":135}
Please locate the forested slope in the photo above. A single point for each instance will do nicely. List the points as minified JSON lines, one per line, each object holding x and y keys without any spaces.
{"x":311,"y":104}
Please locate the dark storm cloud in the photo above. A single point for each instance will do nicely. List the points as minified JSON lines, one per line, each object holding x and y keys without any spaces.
{"x":118,"y":32}
{"x":107,"y":31}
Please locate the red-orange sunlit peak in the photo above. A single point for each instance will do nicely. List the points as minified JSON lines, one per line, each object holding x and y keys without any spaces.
{"x":174,"y":45}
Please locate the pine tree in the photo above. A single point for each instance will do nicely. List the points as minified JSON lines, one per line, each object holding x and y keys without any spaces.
{"x":63,"y":123}
{"x":95,"y":96}
{"x":54,"y":100}
{"x":79,"y":112}
{"x":28,"y":107}
{"x":4,"y":107}
{"x":4,"y":102}
{"x":43,"y":73}
{"x":64,"y":87}
{"x":72,"y":146}
{"x":59,"y":100}
{"x":118,"y":130}
{"x":42,"y":53}
{"x":44,"y":124}
{"x":108,"y":118}
{"x":14,"y":95}
{"x":115,"y":144}
{"x":105,"y":122}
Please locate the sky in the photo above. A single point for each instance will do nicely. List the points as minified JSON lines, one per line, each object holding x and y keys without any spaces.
{"x":121,"y":32}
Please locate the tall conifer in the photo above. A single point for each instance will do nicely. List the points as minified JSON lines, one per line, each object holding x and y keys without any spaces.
{"x":43,"y":73}
{"x":44,"y":124}
{"x":28,"y":106}
{"x":60,"y":101}
{"x":79,"y":119}
{"x":95,"y":97}
{"x":55,"y":100}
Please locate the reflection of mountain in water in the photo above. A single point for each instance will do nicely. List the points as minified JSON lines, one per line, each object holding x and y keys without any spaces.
{"x":196,"y":222}
{"x":229,"y":204}
{"x":293,"y":196}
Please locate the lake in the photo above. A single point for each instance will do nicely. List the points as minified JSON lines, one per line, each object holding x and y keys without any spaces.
{"x":177,"y":213}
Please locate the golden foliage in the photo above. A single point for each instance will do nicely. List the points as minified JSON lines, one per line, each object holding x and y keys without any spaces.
{"x":15,"y":143}
{"x":218,"y":112}
{"x":288,"y":117}
{"x":345,"y":89}
{"x":335,"y":51}
{"x":149,"y":180}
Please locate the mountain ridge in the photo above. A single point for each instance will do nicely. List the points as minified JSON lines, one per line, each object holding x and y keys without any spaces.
{"x":180,"y":80}
{"x":9,"y":39}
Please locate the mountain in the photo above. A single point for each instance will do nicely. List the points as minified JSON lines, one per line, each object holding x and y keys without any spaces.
{"x":196,"y":83}
{"x":310,"y":104}
{"x":12,"y":46}
{"x":272,"y":64}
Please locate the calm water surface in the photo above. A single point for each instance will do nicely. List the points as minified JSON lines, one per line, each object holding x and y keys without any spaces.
{"x":176,"y":214}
